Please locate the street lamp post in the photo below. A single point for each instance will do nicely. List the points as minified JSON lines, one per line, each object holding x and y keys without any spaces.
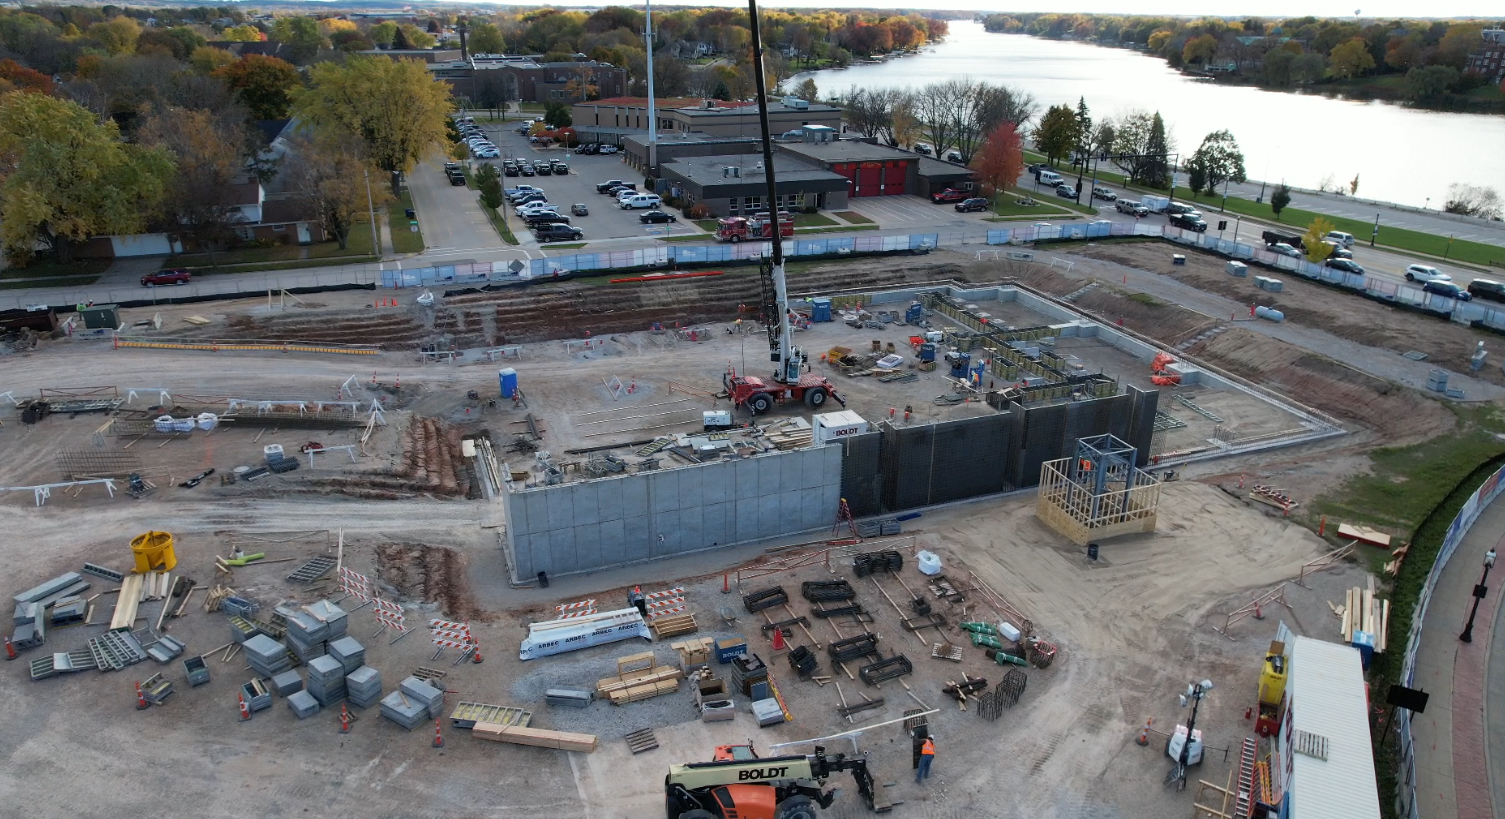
{"x":1479,"y":591}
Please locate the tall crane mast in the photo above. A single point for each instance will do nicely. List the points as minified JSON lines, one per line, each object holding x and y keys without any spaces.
{"x":781,"y":347}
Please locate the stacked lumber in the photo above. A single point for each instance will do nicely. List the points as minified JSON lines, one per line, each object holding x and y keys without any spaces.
{"x":1362,"y":611}
{"x":789,"y":433}
{"x":640,"y":677}
{"x":1364,"y":534}
{"x":693,"y":652}
{"x":536,"y":737}
{"x":1392,"y":567}
{"x":132,"y":590}
{"x":673,"y":626}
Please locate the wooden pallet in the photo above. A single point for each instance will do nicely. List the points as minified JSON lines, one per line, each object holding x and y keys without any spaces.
{"x":673,"y":626}
{"x":424,"y":673}
{"x":946,"y":651}
{"x":640,"y":741}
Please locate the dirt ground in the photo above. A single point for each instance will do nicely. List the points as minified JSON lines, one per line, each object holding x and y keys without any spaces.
{"x":1133,"y":627}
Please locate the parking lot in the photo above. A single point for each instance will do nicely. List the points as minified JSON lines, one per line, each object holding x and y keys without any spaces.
{"x":606,"y":220}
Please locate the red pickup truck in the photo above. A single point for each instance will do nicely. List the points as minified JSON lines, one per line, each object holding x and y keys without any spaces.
{"x":948,"y":195}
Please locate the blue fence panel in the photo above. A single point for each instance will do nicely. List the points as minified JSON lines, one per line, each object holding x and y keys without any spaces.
{"x":1000,"y":237}
{"x":870,"y":244}
{"x":445,"y":272}
{"x":1101,"y":228}
{"x":690,"y":254}
{"x":917,"y":240}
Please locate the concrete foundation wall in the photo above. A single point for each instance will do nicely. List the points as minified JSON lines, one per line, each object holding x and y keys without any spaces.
{"x":612,"y":521}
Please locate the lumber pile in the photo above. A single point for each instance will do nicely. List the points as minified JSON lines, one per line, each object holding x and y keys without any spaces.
{"x":1392,"y":567}
{"x":639,"y":677}
{"x":673,"y":625}
{"x":1364,"y":534}
{"x":693,"y":653}
{"x":536,"y":737}
{"x":1362,"y":611}
{"x":789,"y":433}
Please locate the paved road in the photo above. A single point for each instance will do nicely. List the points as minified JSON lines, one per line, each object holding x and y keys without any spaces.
{"x":1460,"y":740}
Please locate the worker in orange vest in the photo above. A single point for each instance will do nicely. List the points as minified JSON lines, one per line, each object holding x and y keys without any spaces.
{"x":927,"y":756}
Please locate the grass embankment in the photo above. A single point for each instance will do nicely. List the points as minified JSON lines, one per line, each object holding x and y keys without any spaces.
{"x":55,"y":270}
{"x":404,"y":239}
{"x":282,"y":256}
{"x":854,"y":217}
{"x":499,"y":222}
{"x":1416,"y":490}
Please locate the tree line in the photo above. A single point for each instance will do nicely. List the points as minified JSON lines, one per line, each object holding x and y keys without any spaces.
{"x":1428,"y":57}
{"x":141,"y":137}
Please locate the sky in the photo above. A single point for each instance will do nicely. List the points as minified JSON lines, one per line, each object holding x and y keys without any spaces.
{"x":1216,"y":8}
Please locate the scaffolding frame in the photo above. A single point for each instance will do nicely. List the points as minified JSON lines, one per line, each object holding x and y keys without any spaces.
{"x":1098,"y":493}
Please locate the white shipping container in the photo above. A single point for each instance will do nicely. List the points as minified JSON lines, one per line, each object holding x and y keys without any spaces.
{"x":829,"y":427}
{"x":1325,"y":757}
{"x":1156,"y":204}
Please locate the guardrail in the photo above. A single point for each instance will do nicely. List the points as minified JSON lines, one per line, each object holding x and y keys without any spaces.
{"x":1406,"y":806}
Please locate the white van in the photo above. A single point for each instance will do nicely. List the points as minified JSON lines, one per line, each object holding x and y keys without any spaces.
{"x":1339,"y":238}
{"x":1050,"y":179}
{"x":642,"y":200}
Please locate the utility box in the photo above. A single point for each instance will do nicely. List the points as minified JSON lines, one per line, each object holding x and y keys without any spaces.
{"x":716,"y":419}
{"x":101,"y":317}
{"x":830,"y":427}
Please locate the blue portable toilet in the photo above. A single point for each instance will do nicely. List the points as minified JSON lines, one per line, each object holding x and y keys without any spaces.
{"x":915,"y":314}
{"x":1364,"y":642}
{"x":960,"y":364}
{"x":820,"y":309}
{"x":508,"y":380}
{"x":927,"y":351}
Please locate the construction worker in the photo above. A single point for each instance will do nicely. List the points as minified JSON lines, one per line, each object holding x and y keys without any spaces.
{"x":927,"y":756}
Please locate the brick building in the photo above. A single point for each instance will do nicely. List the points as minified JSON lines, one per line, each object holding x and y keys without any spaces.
{"x":1489,"y":60}
{"x":526,"y":80}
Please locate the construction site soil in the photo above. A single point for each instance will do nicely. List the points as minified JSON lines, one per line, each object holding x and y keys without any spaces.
{"x":1133,"y":627}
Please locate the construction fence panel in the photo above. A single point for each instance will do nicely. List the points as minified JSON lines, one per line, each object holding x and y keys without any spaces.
{"x":1486,"y":493}
{"x":861,"y":473}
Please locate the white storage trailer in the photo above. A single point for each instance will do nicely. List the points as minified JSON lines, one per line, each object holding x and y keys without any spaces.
{"x":1324,"y":768}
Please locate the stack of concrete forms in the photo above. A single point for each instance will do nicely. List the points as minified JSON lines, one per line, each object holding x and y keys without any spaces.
{"x":31,"y":607}
{"x":303,"y":704}
{"x":306,"y":636}
{"x":267,"y":656}
{"x":326,"y":680}
{"x":424,"y":692}
{"x":351,"y":654}
{"x":330,"y":614}
{"x":287,"y":683}
{"x":363,"y":685}
{"x":407,"y":712}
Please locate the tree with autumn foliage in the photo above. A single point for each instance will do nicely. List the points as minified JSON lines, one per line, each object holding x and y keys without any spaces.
{"x":1001,"y":160}
{"x":17,"y":77}
{"x":263,"y":83}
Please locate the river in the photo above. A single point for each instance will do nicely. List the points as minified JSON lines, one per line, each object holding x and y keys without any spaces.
{"x":1403,"y":155}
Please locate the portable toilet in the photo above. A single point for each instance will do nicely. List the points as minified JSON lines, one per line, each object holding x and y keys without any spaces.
{"x":927,"y":351}
{"x":508,"y":380}
{"x":820,"y":309}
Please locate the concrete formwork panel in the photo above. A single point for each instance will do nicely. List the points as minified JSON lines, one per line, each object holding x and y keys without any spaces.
{"x":632,"y":518}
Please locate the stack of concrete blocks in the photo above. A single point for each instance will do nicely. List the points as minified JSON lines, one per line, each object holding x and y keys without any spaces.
{"x":286,"y":683}
{"x":267,"y":656}
{"x":31,"y":607}
{"x":425,"y":692}
{"x":303,"y":704}
{"x":403,"y":710}
{"x":306,"y":636}
{"x":326,"y":680}
{"x":363,"y":686}
{"x":329,"y":614}
{"x":351,"y":654}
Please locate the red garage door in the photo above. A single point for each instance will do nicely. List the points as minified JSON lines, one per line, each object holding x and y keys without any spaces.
{"x":869,"y":179}
{"x":893,"y":177}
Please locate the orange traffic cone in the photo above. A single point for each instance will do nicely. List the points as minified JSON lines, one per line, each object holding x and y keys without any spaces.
{"x":141,"y":703}
{"x":475,"y":655}
{"x":778,"y":640}
{"x":726,"y":588}
{"x":245,"y":710}
{"x":438,"y":737}
{"x":344,"y":719}
{"x":1144,"y":733}
{"x":10,"y":650}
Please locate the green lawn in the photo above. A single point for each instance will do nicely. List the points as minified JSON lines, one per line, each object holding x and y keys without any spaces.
{"x":810,"y":220}
{"x":54,"y":270}
{"x":837,"y":229}
{"x":59,"y":281}
{"x":1006,"y":204}
{"x":854,"y":217}
{"x":404,"y":240}
{"x":708,"y":225}
{"x":575,"y":246}
{"x":499,"y":222}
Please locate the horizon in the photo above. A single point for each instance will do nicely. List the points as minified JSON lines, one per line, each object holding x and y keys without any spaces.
{"x":1383,"y":10}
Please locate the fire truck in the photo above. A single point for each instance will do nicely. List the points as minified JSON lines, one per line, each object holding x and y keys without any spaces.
{"x":751,"y":228}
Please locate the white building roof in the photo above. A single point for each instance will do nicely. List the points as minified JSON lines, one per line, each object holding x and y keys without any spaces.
{"x":1327,"y":701}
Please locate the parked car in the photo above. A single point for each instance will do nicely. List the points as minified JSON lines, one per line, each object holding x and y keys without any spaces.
{"x":519,"y":190}
{"x":948,"y":195}
{"x":546,"y":218}
{"x":1426,"y":273}
{"x":603,"y":187}
{"x":923,"y":150}
{"x":561,"y":168}
{"x":531,"y":197}
{"x":579,"y":209}
{"x":1452,"y":291}
{"x":1180,"y":207}
{"x":525,"y":170}
{"x":970,"y":204}
{"x":1188,"y":222}
{"x":1345,"y":265}
{"x":1487,"y":289}
{"x":178,"y":277}
{"x":510,"y":170}
{"x":1065,"y":191}
{"x":608,"y":149}
{"x":1131,"y":206}
{"x":618,"y":189}
{"x":583,"y":147}
{"x":488,"y":153}
{"x":654,"y":217}
{"x":535,"y":208}
{"x":642,"y":200}
{"x":1284,"y":249}
{"x":543,"y":168}
{"x":954,"y":156}
{"x":1335,"y":251}
{"x":553,"y":233}
{"x":1100,"y":192}
{"x":457,"y":179}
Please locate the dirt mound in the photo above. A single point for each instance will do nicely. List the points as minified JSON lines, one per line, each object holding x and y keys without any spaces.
{"x":391,"y":329}
{"x":1167,"y":323}
{"x":1343,"y":392}
{"x":431,"y":574}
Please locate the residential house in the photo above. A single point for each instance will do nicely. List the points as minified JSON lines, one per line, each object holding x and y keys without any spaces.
{"x":1489,"y":60}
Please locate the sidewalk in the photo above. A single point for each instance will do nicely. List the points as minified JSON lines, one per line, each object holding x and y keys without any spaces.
{"x":1454,"y":763}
